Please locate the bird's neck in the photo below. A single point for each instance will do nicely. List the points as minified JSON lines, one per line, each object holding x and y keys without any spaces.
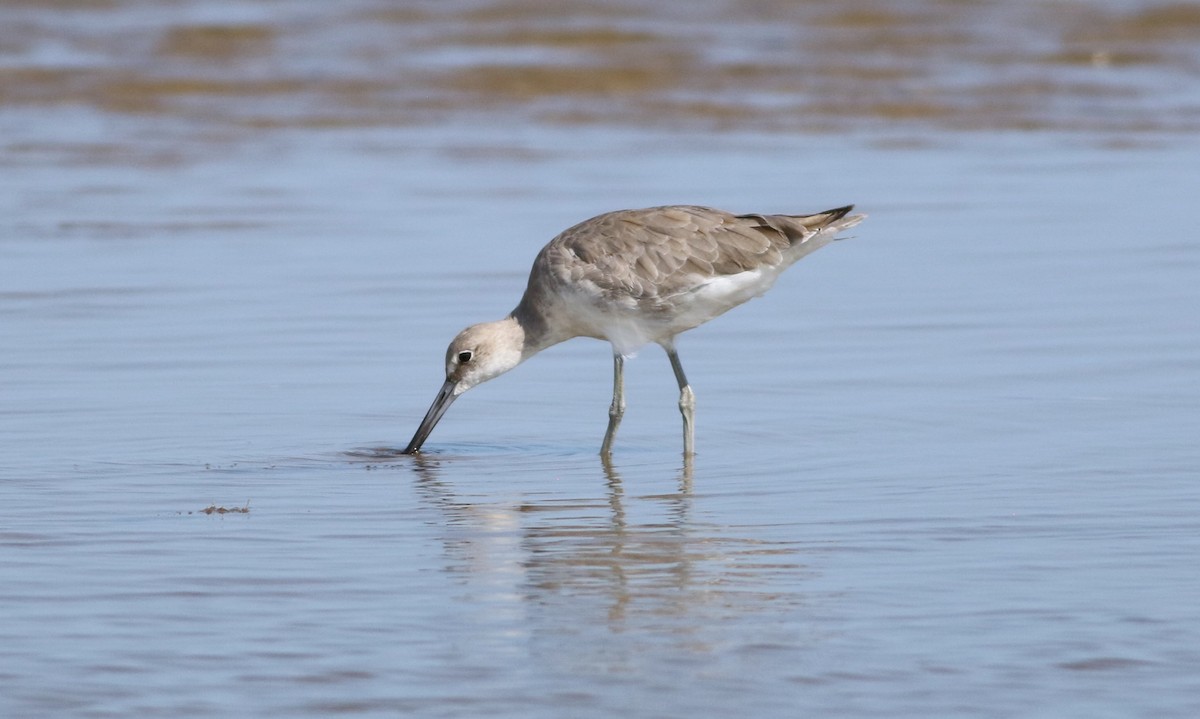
{"x":537,"y":332}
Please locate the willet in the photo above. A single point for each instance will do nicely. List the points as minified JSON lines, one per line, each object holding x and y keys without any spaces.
{"x":634,"y":277}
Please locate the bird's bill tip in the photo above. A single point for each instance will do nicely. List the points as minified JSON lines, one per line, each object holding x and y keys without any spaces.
{"x":445,"y":397}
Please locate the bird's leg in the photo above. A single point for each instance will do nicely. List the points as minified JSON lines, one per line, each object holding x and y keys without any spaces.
{"x":617,"y":409}
{"x":687,"y":403}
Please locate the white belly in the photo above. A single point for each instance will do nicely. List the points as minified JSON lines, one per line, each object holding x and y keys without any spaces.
{"x":629,"y":326}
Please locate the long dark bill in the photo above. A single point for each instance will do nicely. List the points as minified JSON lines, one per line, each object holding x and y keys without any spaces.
{"x":445,"y":398}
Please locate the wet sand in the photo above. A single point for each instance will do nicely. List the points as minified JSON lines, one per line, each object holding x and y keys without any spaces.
{"x":907,"y":68}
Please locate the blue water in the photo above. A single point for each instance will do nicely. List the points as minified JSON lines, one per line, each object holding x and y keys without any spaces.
{"x":947,"y":467}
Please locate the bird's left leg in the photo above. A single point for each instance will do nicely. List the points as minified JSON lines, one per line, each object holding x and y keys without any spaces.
{"x":617,"y":409}
{"x":687,"y":402}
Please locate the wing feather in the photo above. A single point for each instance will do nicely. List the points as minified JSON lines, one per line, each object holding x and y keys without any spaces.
{"x":640,"y":260}
{"x":656,"y":253}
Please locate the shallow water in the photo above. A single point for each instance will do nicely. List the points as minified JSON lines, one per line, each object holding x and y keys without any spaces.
{"x":946,"y":468}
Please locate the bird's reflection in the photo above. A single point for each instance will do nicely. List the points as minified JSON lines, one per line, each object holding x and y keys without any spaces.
{"x":616,"y":560}
{"x":685,"y":473}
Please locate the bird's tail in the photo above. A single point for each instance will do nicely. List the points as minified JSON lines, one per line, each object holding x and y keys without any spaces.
{"x":829,"y":222}
{"x":812,"y":231}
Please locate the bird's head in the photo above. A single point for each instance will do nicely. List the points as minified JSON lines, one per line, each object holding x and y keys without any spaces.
{"x":482,"y":352}
{"x":478,"y":354}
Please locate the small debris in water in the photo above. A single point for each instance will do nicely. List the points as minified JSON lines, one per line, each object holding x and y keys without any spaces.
{"x":214,"y":509}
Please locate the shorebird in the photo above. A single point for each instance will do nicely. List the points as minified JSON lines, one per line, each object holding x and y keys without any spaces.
{"x":633,"y":277}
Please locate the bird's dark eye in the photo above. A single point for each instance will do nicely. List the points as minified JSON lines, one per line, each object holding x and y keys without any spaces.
{"x":464,"y":356}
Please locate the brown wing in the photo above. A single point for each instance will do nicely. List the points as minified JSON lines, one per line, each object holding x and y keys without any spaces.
{"x":655,"y":253}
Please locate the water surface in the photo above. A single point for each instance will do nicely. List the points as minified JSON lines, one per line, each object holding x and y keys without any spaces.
{"x":946,"y":468}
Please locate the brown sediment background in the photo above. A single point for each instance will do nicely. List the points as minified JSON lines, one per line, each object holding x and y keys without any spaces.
{"x":916,"y":66}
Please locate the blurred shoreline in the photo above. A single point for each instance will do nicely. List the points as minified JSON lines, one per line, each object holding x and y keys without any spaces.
{"x":914,"y":69}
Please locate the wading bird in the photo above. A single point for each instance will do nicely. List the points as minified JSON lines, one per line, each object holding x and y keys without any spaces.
{"x":633,"y":277}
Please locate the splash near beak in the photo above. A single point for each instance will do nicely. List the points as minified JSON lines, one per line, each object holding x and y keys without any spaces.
{"x":445,"y":398}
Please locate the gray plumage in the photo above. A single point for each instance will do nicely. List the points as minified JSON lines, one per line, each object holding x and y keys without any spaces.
{"x":633,"y":277}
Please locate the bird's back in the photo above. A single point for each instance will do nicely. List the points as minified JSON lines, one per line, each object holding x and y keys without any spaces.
{"x":661,"y":270}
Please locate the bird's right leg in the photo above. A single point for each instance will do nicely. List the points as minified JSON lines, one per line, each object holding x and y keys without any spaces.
{"x":687,"y":402}
{"x":617,"y":409}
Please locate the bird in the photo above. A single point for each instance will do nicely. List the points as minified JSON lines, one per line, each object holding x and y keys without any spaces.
{"x":635,"y":277}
